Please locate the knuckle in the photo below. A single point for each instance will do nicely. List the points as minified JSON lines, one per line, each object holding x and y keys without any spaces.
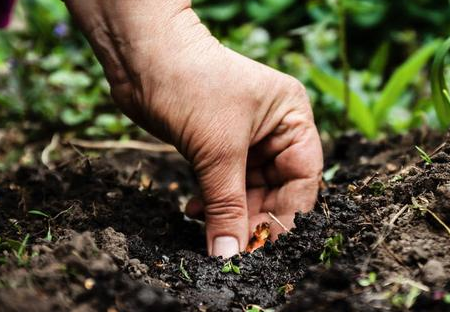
{"x":296,"y":94}
{"x":295,"y":88}
{"x":225,"y":210}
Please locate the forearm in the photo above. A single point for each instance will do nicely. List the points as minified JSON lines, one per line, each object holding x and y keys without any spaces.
{"x":141,"y":31}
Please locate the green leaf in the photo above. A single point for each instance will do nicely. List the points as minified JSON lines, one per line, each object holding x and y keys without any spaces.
{"x":183,"y":271}
{"x":328,"y":175}
{"x":219,"y":12}
{"x":447,"y":298}
{"x":72,"y":117}
{"x":66,"y":78}
{"x":439,"y":86}
{"x":10,"y":243}
{"x":226,"y":268}
{"x":39,"y":213}
{"x":425,"y":157}
{"x":358,"y":112}
{"x":370,"y":280}
{"x":401,"y":79}
{"x":411,"y":297}
{"x":22,"y":247}
{"x":379,"y":59}
{"x":262,"y":11}
{"x":236,"y":269}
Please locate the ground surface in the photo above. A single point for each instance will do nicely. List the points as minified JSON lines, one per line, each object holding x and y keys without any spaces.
{"x":120,"y":243}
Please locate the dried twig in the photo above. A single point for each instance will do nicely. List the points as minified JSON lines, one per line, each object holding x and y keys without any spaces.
{"x":325,"y":208}
{"x":365,"y":184}
{"x":132,"y":144}
{"x":279,"y":222}
{"x":389,"y":228}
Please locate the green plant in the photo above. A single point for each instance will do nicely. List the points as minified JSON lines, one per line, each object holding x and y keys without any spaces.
{"x":48,"y":236}
{"x":329,"y":174}
{"x":229,"y":266}
{"x":447,"y":298}
{"x":425,"y":157}
{"x":39,"y":213}
{"x":332,"y":248}
{"x":439,"y":87}
{"x":406,"y":300}
{"x":377,"y":188}
{"x":369,"y":280}
{"x":256,"y":308}
{"x":370,"y":116}
{"x":184,"y":273}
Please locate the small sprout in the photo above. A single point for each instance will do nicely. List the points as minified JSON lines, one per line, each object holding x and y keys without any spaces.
{"x":377,"y":188}
{"x":396,"y":178}
{"x":398,"y":300}
{"x":425,"y":157}
{"x":256,"y":308}
{"x":329,"y":174}
{"x":259,"y":237}
{"x":39,"y":213}
{"x":229,"y":266}
{"x":424,"y":209}
{"x":446,"y":298}
{"x":332,"y":249}
{"x":285,"y":289}
{"x":183,"y":271}
{"x":49,"y":235}
{"x":16,"y":225}
{"x":369,"y":280}
{"x":21,"y":255}
{"x":411,"y":297}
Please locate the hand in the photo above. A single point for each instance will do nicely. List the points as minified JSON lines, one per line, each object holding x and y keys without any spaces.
{"x":247,"y":129}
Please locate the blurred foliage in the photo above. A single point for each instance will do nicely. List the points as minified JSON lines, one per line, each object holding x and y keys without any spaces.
{"x":49,"y":76}
{"x":439,"y":85}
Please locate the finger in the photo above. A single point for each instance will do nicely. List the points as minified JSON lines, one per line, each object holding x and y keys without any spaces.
{"x":272,"y":145}
{"x":255,"y":200}
{"x":222,"y":181}
{"x":267,"y":175}
{"x":194,"y":208}
{"x":300,"y":166}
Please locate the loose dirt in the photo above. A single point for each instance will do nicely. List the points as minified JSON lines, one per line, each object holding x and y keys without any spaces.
{"x":119,"y":241}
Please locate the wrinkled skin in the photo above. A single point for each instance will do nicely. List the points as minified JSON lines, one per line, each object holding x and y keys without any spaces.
{"x":247,"y":129}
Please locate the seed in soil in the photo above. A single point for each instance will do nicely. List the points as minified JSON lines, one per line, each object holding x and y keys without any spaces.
{"x":259,"y":237}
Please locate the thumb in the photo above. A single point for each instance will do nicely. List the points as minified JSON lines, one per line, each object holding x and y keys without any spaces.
{"x":222,"y":181}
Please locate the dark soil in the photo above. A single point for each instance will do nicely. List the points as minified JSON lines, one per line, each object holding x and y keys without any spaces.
{"x":118,"y":245}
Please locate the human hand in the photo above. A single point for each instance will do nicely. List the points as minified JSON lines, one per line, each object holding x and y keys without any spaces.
{"x":247,"y":129}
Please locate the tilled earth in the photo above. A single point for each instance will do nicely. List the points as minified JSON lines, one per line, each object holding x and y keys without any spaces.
{"x":107,"y":234}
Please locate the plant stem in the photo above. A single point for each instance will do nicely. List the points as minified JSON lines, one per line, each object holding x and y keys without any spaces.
{"x":343,"y":52}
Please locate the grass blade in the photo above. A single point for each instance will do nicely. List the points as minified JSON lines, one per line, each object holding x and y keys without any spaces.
{"x":39,"y":213}
{"x":401,"y":79}
{"x":358,"y":112}
{"x":439,"y":88}
{"x":379,"y":60}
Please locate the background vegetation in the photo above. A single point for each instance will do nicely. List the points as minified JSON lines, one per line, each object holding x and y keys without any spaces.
{"x":364,"y":62}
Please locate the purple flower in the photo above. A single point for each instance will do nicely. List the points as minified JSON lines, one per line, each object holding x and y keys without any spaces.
{"x":61,"y":30}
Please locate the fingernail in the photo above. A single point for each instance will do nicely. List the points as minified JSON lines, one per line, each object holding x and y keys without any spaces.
{"x":225,"y":246}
